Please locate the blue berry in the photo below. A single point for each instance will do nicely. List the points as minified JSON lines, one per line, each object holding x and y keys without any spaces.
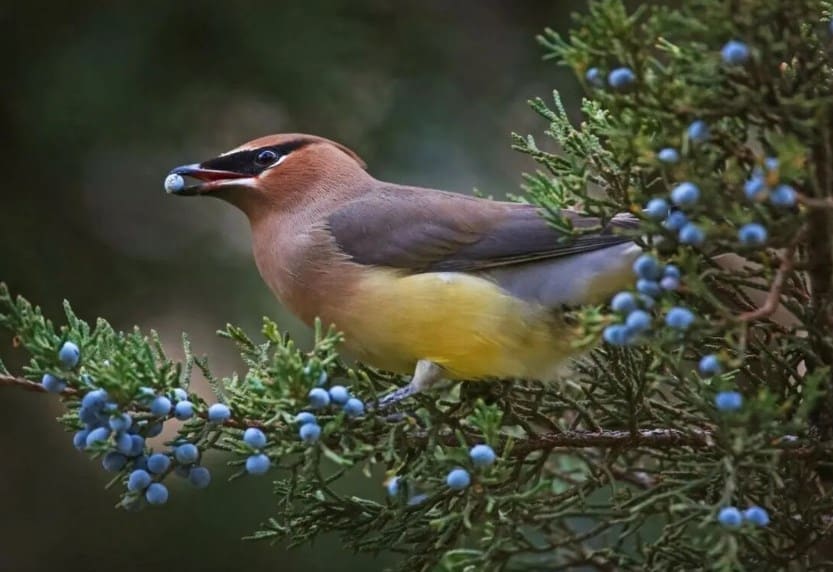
{"x":113,"y":462}
{"x":756,"y":515}
{"x":138,"y":480}
{"x":174,"y":183}
{"x":305,"y":417}
{"x":158,"y":463}
{"x":771,"y":164}
{"x":219,"y":413}
{"x":254,"y":438}
{"x":180,"y":394}
{"x":98,"y":435}
{"x":668,"y":155}
{"x":90,"y":416}
{"x":184,"y":410}
{"x":710,"y":365}
{"x":309,"y":432}
{"x":458,"y":479}
{"x":200,"y":477}
{"x":482,"y":455}
{"x":160,"y":406}
{"x":692,"y":234}
{"x":95,"y":399}
{"x":669,"y":283}
{"x":79,"y":440}
{"x":259,"y":464}
{"x":69,"y":355}
{"x":734,"y":53}
{"x":153,"y":430}
{"x":638,"y":321}
{"x":754,"y":187}
{"x":392,"y":486}
{"x":594,"y":77}
{"x":783,"y":196}
{"x":121,"y":423}
{"x":698,"y":131}
{"x":354,"y":407}
{"x":675,"y":221}
{"x":137,"y":445}
{"x":186,"y":454}
{"x":318,"y":398}
{"x":621,"y":78}
{"x":679,"y":318}
{"x":647,"y":267}
{"x":156,"y":493}
{"x":656,"y":208}
{"x":686,"y":193}
{"x":53,"y":384}
{"x":617,"y":335}
{"x":623,"y":302}
{"x":729,"y":517}
{"x":752,"y":234}
{"x":124,"y":443}
{"x":728,"y":401}
{"x":671,"y":271}
{"x":339,"y":394}
{"x":648,"y":288}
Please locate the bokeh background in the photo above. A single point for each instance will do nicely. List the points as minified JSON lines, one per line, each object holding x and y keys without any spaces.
{"x":99,"y":100}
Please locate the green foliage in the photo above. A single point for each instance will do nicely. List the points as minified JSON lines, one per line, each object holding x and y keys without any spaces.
{"x":626,"y":464}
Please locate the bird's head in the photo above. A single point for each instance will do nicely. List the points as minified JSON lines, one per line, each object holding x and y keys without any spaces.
{"x":276,"y":170}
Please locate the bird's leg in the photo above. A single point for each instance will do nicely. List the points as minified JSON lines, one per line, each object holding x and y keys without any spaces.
{"x":426,"y":375}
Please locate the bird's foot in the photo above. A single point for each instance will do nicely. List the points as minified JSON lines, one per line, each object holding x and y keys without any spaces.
{"x":426,"y":375}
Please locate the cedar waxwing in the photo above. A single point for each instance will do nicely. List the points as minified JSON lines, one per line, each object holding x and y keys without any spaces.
{"x":418,"y":280}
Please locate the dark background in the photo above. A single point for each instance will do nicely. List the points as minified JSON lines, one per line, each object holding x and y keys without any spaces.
{"x":99,"y":100}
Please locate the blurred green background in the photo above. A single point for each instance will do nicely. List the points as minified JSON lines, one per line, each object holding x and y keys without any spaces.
{"x":100,"y":100}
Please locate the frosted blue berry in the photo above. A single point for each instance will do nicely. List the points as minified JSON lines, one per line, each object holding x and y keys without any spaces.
{"x":668,"y":155}
{"x":617,"y":335}
{"x":158,"y":463}
{"x":623,"y":302}
{"x":686,"y":193}
{"x":180,"y":394}
{"x":729,"y":517}
{"x":728,"y":401}
{"x":339,"y":394}
{"x":95,"y":399}
{"x":621,"y":78}
{"x":98,"y":435}
{"x":153,"y":430}
{"x":698,"y":131}
{"x":53,"y":384}
{"x":305,"y":417}
{"x":638,"y":321}
{"x":69,"y":355}
{"x":675,"y":221}
{"x":113,"y":461}
{"x":482,"y":455}
{"x":310,"y":432}
{"x":91,"y":417}
{"x":392,"y":486}
{"x":138,"y":480}
{"x":160,"y":406}
{"x":648,"y":287}
{"x":219,"y":413}
{"x":186,"y":454}
{"x":710,"y":365}
{"x":458,"y":479}
{"x":156,"y":493}
{"x":656,"y":209}
{"x":121,"y":423}
{"x":752,"y":234}
{"x":259,"y":464}
{"x":79,"y":440}
{"x":647,"y":267}
{"x":679,"y":318}
{"x":174,"y":183}
{"x":692,"y":234}
{"x":594,"y":77}
{"x":124,"y":443}
{"x":771,"y":164}
{"x":254,"y":438}
{"x":671,"y":271}
{"x":783,"y":196}
{"x":184,"y":410}
{"x":669,"y":283}
{"x":137,"y":445}
{"x":200,"y":477}
{"x":754,"y":187}
{"x":354,"y":407}
{"x":318,"y":398}
{"x":756,"y":515}
{"x":734,"y":53}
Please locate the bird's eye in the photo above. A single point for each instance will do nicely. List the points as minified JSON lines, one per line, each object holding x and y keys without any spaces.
{"x":266,"y":157}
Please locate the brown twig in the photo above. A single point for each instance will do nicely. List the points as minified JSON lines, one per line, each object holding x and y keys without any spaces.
{"x":815,"y":203}
{"x":27,"y":385}
{"x":773,"y":298}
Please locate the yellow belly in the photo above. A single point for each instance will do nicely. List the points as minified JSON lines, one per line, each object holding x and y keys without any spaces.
{"x":467,"y":325}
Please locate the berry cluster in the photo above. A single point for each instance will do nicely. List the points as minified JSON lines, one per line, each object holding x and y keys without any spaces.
{"x":481,"y":456}
{"x":258,"y":462}
{"x":731,"y":517}
{"x":319,"y":398}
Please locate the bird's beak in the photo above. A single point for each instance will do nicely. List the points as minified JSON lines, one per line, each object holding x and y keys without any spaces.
{"x":210,"y":179}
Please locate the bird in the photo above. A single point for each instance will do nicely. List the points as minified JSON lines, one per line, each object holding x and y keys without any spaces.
{"x":430,"y":282}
